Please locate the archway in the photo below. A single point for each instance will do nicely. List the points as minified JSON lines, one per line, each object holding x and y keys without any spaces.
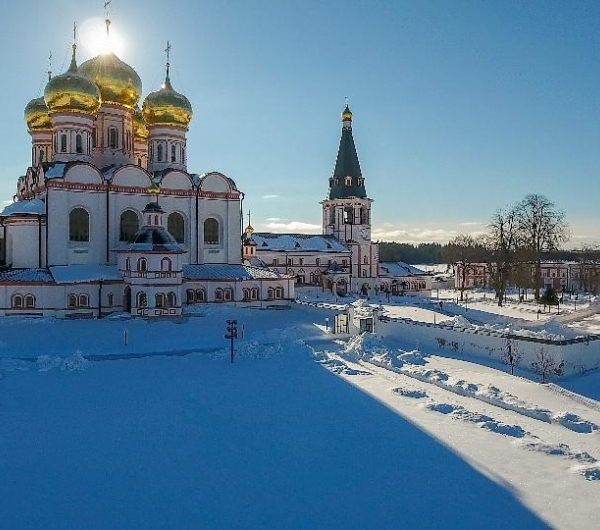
{"x":341,"y":287}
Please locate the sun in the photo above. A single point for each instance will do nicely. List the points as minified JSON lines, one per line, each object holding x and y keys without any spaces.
{"x":94,"y":38}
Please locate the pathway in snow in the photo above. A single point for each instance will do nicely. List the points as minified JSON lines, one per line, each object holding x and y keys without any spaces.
{"x":543,"y":442}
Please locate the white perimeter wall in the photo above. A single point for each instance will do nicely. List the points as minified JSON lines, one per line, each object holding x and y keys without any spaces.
{"x":577,"y":357}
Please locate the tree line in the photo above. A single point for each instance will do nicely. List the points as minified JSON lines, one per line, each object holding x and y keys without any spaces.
{"x":518,"y":238}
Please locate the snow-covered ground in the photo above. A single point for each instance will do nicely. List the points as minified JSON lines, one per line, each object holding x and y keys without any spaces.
{"x":301,"y":431}
{"x":543,"y":444}
{"x":272,"y":441}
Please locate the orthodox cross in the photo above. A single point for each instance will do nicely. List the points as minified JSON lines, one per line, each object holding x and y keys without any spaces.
{"x":50,"y":66}
{"x":168,"y":53}
{"x":107,"y":6}
{"x":249,"y":218}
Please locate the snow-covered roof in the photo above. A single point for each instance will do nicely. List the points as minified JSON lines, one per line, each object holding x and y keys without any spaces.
{"x":298,"y":242}
{"x":228,"y":272}
{"x":27,"y":207}
{"x":109,"y":171}
{"x":26,"y":276}
{"x":55,"y":170}
{"x":84,"y":273}
{"x":399,"y":268}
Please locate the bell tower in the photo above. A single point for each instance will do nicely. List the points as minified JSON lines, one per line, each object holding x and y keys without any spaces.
{"x":347,"y":211}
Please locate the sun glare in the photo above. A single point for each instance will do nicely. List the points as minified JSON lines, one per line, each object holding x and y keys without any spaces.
{"x":93,"y":37}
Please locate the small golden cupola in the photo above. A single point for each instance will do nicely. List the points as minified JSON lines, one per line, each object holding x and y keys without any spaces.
{"x":37,"y":115}
{"x":167,"y":106}
{"x":72,"y":92}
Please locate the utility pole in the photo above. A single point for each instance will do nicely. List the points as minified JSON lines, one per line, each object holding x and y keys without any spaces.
{"x":231,"y":334}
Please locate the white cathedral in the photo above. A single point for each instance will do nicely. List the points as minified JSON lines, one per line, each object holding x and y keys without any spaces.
{"x":107,"y":218}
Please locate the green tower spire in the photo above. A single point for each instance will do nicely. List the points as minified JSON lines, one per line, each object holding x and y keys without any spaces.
{"x":347,"y":180}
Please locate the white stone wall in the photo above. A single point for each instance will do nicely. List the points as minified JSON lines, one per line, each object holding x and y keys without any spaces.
{"x":577,"y":357}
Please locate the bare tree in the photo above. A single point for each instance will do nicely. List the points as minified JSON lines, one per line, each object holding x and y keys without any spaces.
{"x":542,"y":228}
{"x":463,"y":252}
{"x":511,"y":355}
{"x":503,"y":243}
{"x":544,"y":365}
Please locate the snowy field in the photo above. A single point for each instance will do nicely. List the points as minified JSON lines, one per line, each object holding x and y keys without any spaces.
{"x":301,"y":431}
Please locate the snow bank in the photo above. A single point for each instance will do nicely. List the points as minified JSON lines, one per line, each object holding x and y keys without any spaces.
{"x":75,"y":362}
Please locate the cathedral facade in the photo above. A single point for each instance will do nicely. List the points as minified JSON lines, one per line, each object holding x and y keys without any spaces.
{"x":108,"y":218}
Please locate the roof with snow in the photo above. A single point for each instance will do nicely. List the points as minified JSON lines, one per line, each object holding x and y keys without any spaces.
{"x":28,"y":207}
{"x":26,"y":276}
{"x":229,"y":272}
{"x":399,"y":268}
{"x":298,"y":242}
{"x":54,"y":170}
{"x":85,"y":273}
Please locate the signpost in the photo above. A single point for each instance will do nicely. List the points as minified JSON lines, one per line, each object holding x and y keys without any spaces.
{"x":231,"y":334}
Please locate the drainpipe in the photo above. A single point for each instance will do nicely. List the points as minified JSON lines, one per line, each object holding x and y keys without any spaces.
{"x":47,"y":223}
{"x":197,"y":229}
{"x":39,"y":241}
{"x":107,"y":222}
{"x":99,"y":299}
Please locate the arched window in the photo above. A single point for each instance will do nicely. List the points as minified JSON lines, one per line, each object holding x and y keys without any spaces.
{"x":166,"y":265}
{"x":140,"y":162}
{"x":84,"y":300}
{"x":78,"y":144}
{"x":128,"y":140}
{"x":142,"y":299}
{"x":211,"y":231}
{"x":171,"y":299}
{"x":183,"y":155}
{"x":113,"y":138}
{"x":219,"y":295}
{"x":200,"y":295}
{"x":246,"y":294}
{"x":63,"y":143}
{"x":318,"y":262}
{"x":94,"y":136}
{"x":111,"y":299}
{"x":159,"y":152}
{"x":190,"y":296}
{"x":16,"y":301}
{"x":128,"y":264}
{"x":159,"y":300}
{"x":254,"y":293}
{"x":142,"y":265}
{"x":176,"y":226}
{"x":271,"y":293}
{"x":228,"y":294}
{"x":79,"y":225}
{"x":366,"y":260}
{"x":279,"y":293}
{"x":173,"y":154}
{"x":129,"y":225}
{"x":72,"y":300}
{"x":29,"y":301}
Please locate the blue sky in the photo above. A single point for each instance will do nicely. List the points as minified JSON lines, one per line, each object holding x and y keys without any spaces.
{"x":460,"y":107}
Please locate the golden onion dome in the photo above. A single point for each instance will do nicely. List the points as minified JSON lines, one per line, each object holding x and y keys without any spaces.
{"x":72,"y":92}
{"x":249,"y":230}
{"x":117,"y":81}
{"x":140,"y":127}
{"x":37,"y":115}
{"x":347,"y":115}
{"x":167,"y":107}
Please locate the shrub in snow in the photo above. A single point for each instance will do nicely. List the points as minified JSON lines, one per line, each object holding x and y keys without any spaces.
{"x":75,"y":362}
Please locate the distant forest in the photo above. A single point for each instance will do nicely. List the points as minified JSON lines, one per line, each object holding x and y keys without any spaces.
{"x":432,"y":253}
{"x":423,"y":253}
